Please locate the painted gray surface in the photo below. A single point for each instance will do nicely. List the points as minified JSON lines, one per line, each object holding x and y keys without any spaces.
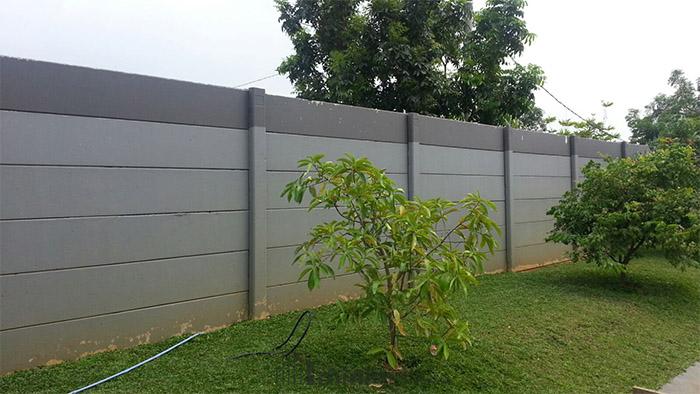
{"x":636,"y":150}
{"x":532,"y":210}
{"x":597,"y":149}
{"x":34,"y":86}
{"x":455,"y":187}
{"x":540,"y":254}
{"x":124,"y":205}
{"x":539,"y":181}
{"x":540,"y":165}
{"x":276,"y":180}
{"x":540,"y":143}
{"x":510,"y":261}
{"x":55,"y":296}
{"x":289,"y":223}
{"x":531,"y":233}
{"x":287,"y":227}
{"x":70,"y":339}
{"x":534,"y":187}
{"x":296,"y":296}
{"x":257,"y":198}
{"x":285,"y":150}
{"x":414,"y":155}
{"x":296,"y":116}
{"x":32,"y":138}
{"x":574,"y":162}
{"x":458,"y":161}
{"x":446,"y":132}
{"x":44,"y":192}
{"x":53,"y":244}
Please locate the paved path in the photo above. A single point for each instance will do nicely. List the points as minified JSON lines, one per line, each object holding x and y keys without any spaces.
{"x":685,"y":383}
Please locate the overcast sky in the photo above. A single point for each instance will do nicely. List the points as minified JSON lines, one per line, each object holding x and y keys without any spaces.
{"x":621,"y":51}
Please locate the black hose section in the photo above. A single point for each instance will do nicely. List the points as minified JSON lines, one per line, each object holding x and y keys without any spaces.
{"x":276,"y":350}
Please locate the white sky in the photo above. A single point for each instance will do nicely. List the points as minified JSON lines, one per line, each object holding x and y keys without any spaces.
{"x":614,"y":50}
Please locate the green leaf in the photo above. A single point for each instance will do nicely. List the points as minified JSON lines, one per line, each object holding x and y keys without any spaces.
{"x":375,"y":350}
{"x":391,"y":359}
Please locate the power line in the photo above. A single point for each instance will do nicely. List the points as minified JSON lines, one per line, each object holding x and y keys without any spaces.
{"x":562,"y":104}
{"x":257,"y":80}
{"x":511,"y":58}
{"x":553,"y":96}
{"x":588,"y":121}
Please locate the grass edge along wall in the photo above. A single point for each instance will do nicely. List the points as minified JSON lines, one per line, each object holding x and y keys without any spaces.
{"x":135,"y":208}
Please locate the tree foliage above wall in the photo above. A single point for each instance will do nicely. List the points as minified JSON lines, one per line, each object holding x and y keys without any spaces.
{"x":675,"y":116}
{"x":589,"y":127}
{"x":434,"y":57}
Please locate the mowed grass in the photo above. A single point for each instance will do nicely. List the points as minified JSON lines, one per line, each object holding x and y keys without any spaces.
{"x":569,"y":328}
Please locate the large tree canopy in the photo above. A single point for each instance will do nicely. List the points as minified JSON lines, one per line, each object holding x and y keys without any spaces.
{"x":434,"y":57}
{"x":675,"y":116}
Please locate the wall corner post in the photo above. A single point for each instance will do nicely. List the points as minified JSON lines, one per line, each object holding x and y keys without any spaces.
{"x":574,"y":161}
{"x":623,"y":149}
{"x":257,"y":205}
{"x":509,"y":197}
{"x":413,"y":143}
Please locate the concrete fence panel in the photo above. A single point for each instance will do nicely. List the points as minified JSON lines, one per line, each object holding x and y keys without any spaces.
{"x":135,"y":208}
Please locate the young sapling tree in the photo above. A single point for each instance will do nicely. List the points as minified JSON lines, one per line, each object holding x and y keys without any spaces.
{"x":411,"y":256}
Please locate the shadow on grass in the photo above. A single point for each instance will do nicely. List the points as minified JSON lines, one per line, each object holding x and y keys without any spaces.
{"x":655,"y":283}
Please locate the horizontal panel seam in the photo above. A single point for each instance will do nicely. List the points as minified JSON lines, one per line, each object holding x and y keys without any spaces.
{"x":538,"y":198}
{"x":540,"y":244}
{"x":324,"y":278}
{"x":544,"y":154}
{"x":333,"y":137}
{"x":453,"y":174}
{"x":534,"y":221}
{"x":120,"y":263}
{"x":542,"y":176}
{"x":463,"y":147}
{"x":297,"y":171}
{"x":123,"y":167}
{"x":232,"y":169}
{"x":176,"y":213}
{"x":127,"y":310}
{"x":600,"y":157}
{"x":242,"y":129}
{"x":312,"y":134}
{"x":217,"y":126}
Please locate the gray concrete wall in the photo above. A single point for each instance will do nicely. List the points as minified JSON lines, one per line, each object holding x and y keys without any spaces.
{"x":135,"y":208}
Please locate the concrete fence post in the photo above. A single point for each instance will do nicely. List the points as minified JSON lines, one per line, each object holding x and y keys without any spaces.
{"x":413,"y":144}
{"x":509,"y":197}
{"x":574,"y":162}
{"x":623,"y":149}
{"x":257,"y":205}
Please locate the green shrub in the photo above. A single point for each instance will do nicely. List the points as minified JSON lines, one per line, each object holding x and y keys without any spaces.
{"x":409,"y":260}
{"x":652,"y":201}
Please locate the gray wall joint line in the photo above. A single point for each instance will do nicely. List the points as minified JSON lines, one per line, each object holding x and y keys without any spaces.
{"x":509,"y":197}
{"x":574,"y":162}
{"x":413,"y":144}
{"x":257,"y":205}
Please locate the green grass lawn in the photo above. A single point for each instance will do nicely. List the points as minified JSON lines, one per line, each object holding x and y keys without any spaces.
{"x":568,"y":328}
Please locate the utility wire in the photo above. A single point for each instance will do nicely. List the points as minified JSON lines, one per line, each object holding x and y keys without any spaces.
{"x":257,"y":80}
{"x":511,"y":58}
{"x":553,"y":96}
{"x":590,"y":123}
